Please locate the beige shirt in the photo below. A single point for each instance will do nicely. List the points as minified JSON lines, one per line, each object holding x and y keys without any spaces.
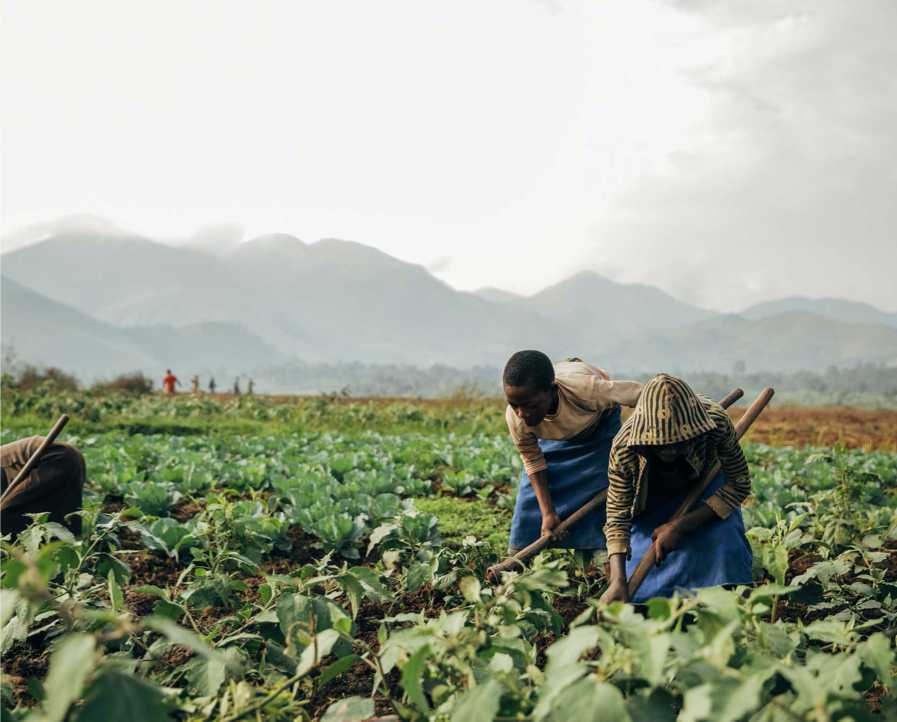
{"x":585,"y":394}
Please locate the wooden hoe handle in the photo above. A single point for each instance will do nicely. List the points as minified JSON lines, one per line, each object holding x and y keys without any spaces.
{"x":517,"y":560}
{"x":36,"y":456}
{"x":741,"y":427}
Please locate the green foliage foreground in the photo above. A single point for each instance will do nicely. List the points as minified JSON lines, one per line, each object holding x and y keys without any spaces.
{"x":284,"y":575}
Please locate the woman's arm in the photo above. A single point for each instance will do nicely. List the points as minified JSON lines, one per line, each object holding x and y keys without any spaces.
{"x":550,"y":519}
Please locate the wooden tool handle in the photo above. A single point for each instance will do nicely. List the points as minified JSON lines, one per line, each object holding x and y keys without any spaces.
{"x":36,"y":456}
{"x":731,"y":397}
{"x":540,"y":543}
{"x":741,"y":427}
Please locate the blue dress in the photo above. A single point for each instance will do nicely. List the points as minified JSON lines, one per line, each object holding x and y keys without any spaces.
{"x":716,"y":553}
{"x":577,"y":471}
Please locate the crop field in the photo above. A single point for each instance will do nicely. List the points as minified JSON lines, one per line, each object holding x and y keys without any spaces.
{"x":323,"y":558}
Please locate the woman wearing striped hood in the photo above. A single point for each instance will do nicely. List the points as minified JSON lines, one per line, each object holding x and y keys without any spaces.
{"x":669,"y":443}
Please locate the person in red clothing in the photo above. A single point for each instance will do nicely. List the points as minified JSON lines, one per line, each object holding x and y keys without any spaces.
{"x":169,"y":382}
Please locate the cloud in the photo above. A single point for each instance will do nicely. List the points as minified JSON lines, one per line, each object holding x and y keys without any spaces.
{"x":787,"y":186}
{"x":218,"y":238}
{"x":439,"y":265}
{"x":74,"y":224}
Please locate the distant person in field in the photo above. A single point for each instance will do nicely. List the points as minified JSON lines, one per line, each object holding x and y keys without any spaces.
{"x":54,"y":485}
{"x":250,"y":387}
{"x":562,"y":418}
{"x":169,"y":381}
{"x":212,"y":385}
{"x":237,"y":386}
{"x":671,"y":440}
{"x":194,"y":385}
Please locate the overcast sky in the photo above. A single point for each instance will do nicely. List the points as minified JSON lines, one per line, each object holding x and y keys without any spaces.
{"x":728,"y":152}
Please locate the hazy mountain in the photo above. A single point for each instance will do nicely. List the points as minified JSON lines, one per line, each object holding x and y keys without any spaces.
{"x":129,"y":280}
{"x":837,"y":309}
{"x":354,"y":302}
{"x":786,"y":342}
{"x":275,"y":298}
{"x":44,"y":332}
{"x":47,"y":333}
{"x":497,"y":295}
{"x":330,"y":300}
{"x":590,"y":299}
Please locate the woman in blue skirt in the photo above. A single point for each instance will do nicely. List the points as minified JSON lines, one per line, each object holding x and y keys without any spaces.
{"x":562,"y":418}
{"x":673,"y":438}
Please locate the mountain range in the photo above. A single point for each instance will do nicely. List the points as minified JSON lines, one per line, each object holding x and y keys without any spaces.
{"x":100,"y":303}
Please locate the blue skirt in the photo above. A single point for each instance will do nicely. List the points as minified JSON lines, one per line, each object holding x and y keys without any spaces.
{"x":577,"y":471}
{"x":716,"y":553}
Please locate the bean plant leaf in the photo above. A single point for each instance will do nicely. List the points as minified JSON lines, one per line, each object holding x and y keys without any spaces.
{"x":568,"y":650}
{"x":317,"y":649}
{"x":178,"y":635}
{"x":337,"y":668}
{"x":470,"y":588}
{"x":479,"y":704}
{"x":350,"y":709}
{"x":412,"y":678}
{"x":589,"y":701}
{"x":70,"y":666}
{"x":876,"y":653}
{"x":115,"y":594}
{"x":118,"y":696}
{"x":8,"y":600}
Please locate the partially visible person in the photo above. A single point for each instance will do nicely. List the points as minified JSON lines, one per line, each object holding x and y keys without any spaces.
{"x":250,"y":388}
{"x":212,"y":386}
{"x":55,"y":485}
{"x":169,"y":381}
{"x":237,"y":386}
{"x":194,"y":385}
{"x":562,"y":418}
{"x":673,"y":438}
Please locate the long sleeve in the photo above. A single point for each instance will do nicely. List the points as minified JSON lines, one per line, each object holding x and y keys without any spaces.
{"x":738,"y":477}
{"x":625,"y":393}
{"x":527,"y":444}
{"x":621,"y":474}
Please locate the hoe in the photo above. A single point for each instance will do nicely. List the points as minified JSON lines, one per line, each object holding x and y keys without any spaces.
{"x":516,"y":561}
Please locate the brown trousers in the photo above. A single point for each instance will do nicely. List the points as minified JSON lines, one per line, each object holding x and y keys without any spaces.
{"x":55,"y":485}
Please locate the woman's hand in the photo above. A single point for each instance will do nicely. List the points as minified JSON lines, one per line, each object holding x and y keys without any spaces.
{"x":667,"y":537}
{"x":550,"y":521}
{"x":618,"y":591}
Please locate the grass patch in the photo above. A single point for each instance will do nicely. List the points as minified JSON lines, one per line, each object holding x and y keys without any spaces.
{"x":459,"y":518}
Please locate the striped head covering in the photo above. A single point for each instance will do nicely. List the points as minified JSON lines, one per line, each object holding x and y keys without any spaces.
{"x":668,"y":412}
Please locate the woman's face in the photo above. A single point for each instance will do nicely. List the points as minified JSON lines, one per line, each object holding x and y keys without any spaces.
{"x":668,"y":453}
{"x":529,"y":404}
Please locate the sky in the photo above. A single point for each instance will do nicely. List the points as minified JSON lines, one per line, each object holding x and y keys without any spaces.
{"x":727,"y":152}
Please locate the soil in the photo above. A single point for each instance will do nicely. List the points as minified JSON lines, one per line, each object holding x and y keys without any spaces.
{"x":150,"y":568}
{"x":24,"y":661}
{"x":824,"y":426}
{"x":177,"y":655}
{"x":184,"y":510}
{"x":113,"y":504}
{"x":569,"y":608}
{"x":303,"y":551}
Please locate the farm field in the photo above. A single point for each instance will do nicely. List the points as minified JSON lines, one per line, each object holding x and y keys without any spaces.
{"x":324,"y":558}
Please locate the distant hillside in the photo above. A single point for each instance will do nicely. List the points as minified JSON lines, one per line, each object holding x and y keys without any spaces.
{"x":330,"y":300}
{"x":498,"y":295}
{"x":786,"y":342}
{"x":44,"y":332}
{"x":837,"y":309}
{"x":605,"y":308}
{"x":116,"y":302}
{"x":47,"y":333}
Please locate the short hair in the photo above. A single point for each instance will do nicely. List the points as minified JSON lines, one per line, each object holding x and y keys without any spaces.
{"x":529,"y":368}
